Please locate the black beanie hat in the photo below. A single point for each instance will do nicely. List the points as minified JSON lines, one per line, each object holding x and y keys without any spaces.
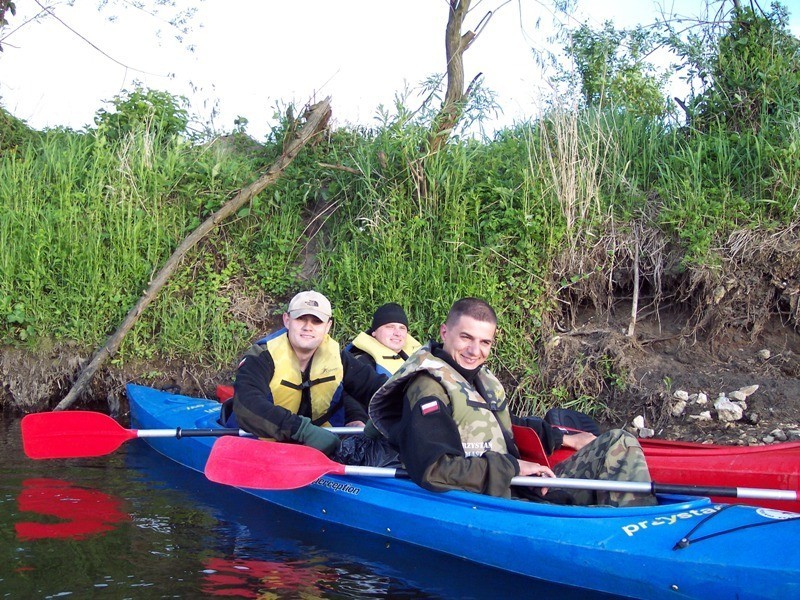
{"x":388,"y":313}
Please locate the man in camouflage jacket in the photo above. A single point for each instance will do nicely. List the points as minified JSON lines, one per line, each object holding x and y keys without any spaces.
{"x":449,"y":417}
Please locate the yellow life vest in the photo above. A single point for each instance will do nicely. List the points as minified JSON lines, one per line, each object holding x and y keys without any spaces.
{"x":324,"y":380}
{"x":386,"y":361}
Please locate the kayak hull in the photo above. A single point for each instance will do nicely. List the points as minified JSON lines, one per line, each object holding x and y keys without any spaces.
{"x":630,"y":552}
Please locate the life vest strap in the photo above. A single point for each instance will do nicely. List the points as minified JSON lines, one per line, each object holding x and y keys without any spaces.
{"x":306,"y":384}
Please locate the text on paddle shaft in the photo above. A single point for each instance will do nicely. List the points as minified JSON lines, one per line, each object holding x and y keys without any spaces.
{"x":668,"y":519}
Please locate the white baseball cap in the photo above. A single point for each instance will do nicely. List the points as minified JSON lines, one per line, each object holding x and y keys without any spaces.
{"x":310,"y":303}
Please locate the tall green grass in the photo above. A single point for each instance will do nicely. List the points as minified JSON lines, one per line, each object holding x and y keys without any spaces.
{"x":85,"y":223}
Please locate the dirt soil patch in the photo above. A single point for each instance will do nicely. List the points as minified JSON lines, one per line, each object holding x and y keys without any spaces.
{"x":663,"y":365}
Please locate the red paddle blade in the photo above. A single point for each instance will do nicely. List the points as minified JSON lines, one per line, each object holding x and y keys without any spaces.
{"x":256,"y":464}
{"x":71,"y":434}
{"x":529,"y":445}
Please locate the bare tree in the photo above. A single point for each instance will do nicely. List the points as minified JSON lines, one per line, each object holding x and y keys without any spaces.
{"x":456,"y":44}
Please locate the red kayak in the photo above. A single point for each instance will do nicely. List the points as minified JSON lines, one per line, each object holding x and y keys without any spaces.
{"x":773,"y":466}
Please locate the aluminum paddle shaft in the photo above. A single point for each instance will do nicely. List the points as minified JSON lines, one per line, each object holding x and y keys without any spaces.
{"x":652,"y":487}
{"x":256,"y":464}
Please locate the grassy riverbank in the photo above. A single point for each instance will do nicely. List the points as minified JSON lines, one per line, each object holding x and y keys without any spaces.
{"x":582,"y":208}
{"x":539,"y":221}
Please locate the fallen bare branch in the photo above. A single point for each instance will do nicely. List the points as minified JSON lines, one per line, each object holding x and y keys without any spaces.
{"x":316,"y":121}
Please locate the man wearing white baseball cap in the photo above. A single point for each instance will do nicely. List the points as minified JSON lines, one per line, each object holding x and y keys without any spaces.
{"x":296,"y":382}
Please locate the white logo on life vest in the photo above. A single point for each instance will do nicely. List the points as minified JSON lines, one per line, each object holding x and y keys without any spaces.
{"x":476,"y":448}
{"x":668,"y":519}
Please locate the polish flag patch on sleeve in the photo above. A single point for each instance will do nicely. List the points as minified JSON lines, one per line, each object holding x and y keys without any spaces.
{"x":429,"y":407}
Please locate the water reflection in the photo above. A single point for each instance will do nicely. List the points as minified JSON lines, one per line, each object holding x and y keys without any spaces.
{"x":266,"y":551}
{"x":242,"y":578}
{"x":270,"y":552}
{"x":81,"y":511}
{"x":135,"y":525}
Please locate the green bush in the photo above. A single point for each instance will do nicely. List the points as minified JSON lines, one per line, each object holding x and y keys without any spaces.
{"x":754,"y":79}
{"x":156,"y":113}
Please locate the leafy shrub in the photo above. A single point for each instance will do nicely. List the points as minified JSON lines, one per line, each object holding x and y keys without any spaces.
{"x":751,"y":74}
{"x":160,"y":114}
{"x":613,"y":71}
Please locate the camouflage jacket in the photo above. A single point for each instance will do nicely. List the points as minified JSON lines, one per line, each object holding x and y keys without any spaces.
{"x":452,"y":433}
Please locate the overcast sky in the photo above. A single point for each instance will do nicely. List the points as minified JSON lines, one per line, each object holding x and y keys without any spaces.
{"x":251,"y":55}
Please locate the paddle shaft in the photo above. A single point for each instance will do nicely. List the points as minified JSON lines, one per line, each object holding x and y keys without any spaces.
{"x":634,"y":487}
{"x":83,"y":434}
{"x":652,"y":487}
{"x":179,"y":432}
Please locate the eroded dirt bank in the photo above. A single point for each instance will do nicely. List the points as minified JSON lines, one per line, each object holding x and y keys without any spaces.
{"x":663,"y":366}
{"x":698,"y":333}
{"x":659,"y":361}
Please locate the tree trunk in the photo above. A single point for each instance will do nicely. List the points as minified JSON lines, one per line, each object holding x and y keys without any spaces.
{"x":316,"y":121}
{"x":455,"y":46}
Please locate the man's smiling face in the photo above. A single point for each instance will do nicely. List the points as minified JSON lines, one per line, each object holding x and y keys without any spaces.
{"x":306,"y":332}
{"x":468,"y":341}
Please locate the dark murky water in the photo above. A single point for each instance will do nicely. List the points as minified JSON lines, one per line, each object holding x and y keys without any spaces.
{"x":135,"y":525}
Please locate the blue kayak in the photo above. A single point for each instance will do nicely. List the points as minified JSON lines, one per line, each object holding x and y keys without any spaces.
{"x":685,"y":547}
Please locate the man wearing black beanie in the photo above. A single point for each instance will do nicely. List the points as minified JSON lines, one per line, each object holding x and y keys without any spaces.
{"x":386,"y":344}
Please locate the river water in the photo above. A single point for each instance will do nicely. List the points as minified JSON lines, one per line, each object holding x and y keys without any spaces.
{"x":133,"y":524}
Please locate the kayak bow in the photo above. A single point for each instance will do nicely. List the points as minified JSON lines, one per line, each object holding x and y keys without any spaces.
{"x":683,"y":548}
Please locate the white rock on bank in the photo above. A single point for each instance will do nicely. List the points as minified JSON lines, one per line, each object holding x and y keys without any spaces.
{"x":728,"y":411}
{"x":638,"y":421}
{"x":678,"y":408}
{"x":703,"y":416}
{"x":681,"y":395}
{"x":702,"y":398}
{"x":749,"y":390}
{"x":738,"y":395}
{"x":646,"y":432}
{"x":779,"y":435}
